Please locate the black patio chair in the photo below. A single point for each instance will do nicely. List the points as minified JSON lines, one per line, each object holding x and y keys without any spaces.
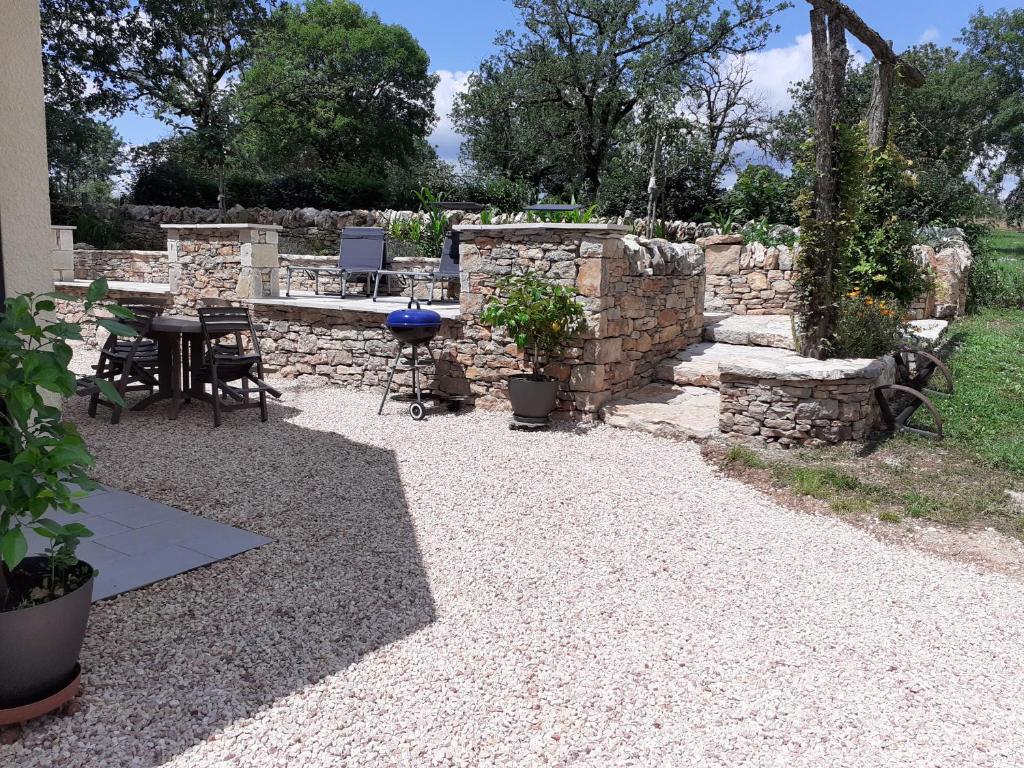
{"x":447,"y":270}
{"x":224,"y":371}
{"x":130,"y":363}
{"x":362,"y":252}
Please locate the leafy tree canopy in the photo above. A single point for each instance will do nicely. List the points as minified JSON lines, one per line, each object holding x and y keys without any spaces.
{"x":549,"y":107}
{"x":332,"y":86}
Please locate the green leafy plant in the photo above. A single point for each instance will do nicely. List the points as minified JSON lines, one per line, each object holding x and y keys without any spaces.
{"x":102,"y":234}
{"x":725,"y":221}
{"x":868,"y":326}
{"x":763,"y":232}
{"x":541,"y":316}
{"x":432,"y":236}
{"x":43,"y":459}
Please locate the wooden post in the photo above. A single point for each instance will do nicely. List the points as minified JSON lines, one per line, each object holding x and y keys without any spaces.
{"x":880,"y":106}
{"x":829,"y":57}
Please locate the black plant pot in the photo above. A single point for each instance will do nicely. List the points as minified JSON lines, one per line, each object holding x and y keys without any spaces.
{"x":533,"y":397}
{"x":39,"y":646}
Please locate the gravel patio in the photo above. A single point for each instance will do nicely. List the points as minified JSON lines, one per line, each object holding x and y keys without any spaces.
{"x":455,"y":593}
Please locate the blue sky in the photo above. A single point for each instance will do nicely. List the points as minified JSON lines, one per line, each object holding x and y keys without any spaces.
{"x":457,"y":35}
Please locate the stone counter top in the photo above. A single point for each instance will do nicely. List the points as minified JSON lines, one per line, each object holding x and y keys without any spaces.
{"x":793,"y":367}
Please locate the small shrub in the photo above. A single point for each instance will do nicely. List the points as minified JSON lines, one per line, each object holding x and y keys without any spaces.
{"x":889,"y":517}
{"x":541,"y":316}
{"x":764,"y":232}
{"x":868,"y":327}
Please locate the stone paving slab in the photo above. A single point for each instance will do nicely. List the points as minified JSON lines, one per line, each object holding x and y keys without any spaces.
{"x":685,"y":413}
{"x":137,"y":541}
{"x":749,"y":330}
{"x":698,"y":365}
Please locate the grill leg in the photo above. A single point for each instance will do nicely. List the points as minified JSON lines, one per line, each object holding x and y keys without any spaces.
{"x":391,"y":378}
{"x":416,"y":375}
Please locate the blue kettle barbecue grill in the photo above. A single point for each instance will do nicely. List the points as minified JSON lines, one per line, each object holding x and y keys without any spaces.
{"x":414,"y":327}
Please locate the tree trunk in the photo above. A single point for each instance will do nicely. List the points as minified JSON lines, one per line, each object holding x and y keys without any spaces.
{"x":222,"y":207}
{"x":652,"y":185}
{"x":820,"y":262}
{"x":880,"y":106}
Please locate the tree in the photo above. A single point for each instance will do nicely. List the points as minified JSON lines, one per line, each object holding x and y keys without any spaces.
{"x":724,"y":113}
{"x":551,"y":103}
{"x":84,"y":154}
{"x":78,"y":43}
{"x":995,"y":47}
{"x":180,"y":58}
{"x":332,"y":87}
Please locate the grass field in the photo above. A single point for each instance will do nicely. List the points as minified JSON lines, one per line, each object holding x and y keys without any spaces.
{"x":1008,"y":244}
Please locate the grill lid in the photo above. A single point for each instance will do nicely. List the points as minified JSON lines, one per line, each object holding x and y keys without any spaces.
{"x":414,"y":318}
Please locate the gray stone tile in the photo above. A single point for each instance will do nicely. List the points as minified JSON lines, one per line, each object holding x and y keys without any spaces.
{"x":156,"y":565}
{"x":204,"y":536}
{"x":137,"y":541}
{"x":130,"y":510}
{"x":99,"y":557}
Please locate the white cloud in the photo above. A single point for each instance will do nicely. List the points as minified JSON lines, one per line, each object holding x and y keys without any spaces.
{"x":773,"y":70}
{"x":930,"y":35}
{"x":444,"y":138}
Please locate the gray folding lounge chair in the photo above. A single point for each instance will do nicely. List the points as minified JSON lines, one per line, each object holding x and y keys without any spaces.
{"x":363,"y":252}
{"x":447,"y":270}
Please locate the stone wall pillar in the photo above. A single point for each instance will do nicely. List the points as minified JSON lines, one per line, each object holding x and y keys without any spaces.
{"x":642,"y":301}
{"x":226,"y":261}
{"x":62,"y":254}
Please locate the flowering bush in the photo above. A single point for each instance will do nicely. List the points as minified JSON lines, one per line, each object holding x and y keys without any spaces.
{"x":868,"y":327}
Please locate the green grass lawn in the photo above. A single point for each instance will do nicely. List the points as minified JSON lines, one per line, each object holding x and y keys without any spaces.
{"x":1007,"y":244}
{"x":985,"y":417}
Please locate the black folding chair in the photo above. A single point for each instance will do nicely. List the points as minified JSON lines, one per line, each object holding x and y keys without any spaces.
{"x":362,"y":253}
{"x":446,"y":271}
{"x":233,"y":375}
{"x":130,"y":363}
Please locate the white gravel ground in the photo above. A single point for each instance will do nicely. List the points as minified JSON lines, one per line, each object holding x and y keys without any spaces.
{"x":455,"y":593}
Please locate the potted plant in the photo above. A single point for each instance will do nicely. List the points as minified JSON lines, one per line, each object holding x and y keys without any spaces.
{"x":540,"y":316}
{"x":44,"y":599}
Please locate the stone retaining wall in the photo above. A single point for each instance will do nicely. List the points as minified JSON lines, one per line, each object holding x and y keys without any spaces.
{"x":304,"y":230}
{"x":808,"y":403}
{"x":337,"y":346}
{"x":756,"y":279}
{"x":748,"y":279}
{"x":643,"y":302}
{"x":130,"y":266}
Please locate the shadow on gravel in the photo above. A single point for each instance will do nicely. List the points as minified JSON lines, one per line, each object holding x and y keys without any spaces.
{"x":172,"y":664}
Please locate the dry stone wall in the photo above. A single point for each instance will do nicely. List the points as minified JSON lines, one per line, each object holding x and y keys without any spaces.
{"x":748,"y":279}
{"x":643,"y":302}
{"x":808,"y":403}
{"x":307,"y":230}
{"x":130,"y":266}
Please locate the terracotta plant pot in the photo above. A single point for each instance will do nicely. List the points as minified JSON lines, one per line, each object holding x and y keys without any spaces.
{"x":533,"y":397}
{"x":39,"y":646}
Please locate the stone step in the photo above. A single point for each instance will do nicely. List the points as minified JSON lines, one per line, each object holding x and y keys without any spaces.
{"x":698,"y":365}
{"x":749,"y":330}
{"x":682,"y":413}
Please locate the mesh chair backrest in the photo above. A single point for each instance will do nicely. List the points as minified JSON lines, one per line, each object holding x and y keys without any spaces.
{"x":222,"y":321}
{"x":362,"y":249}
{"x":449,"y":266}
